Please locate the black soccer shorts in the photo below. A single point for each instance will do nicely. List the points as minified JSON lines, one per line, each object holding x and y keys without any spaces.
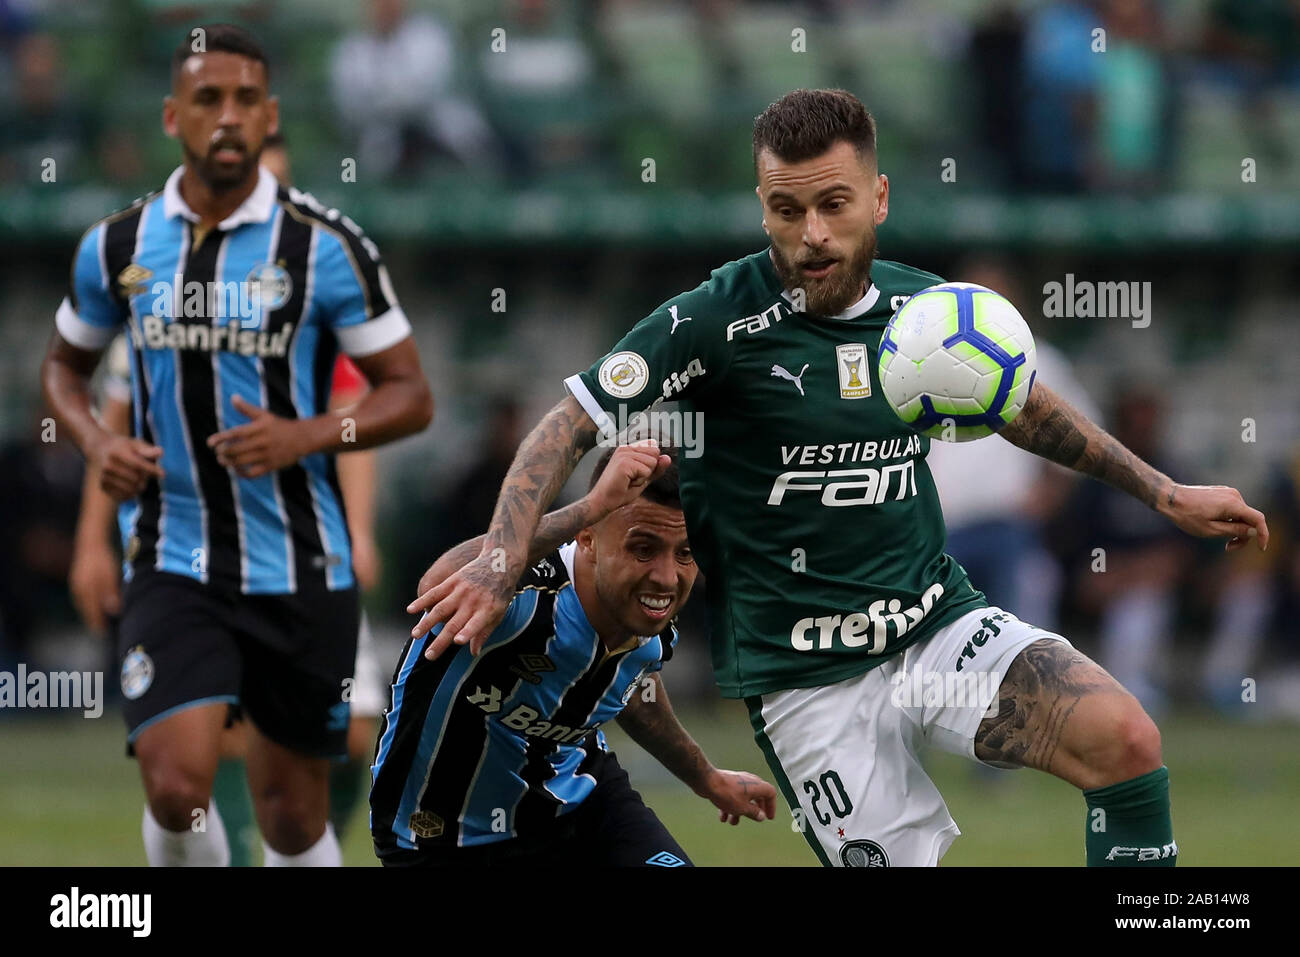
{"x":612,"y":828}
{"x":285,"y":660}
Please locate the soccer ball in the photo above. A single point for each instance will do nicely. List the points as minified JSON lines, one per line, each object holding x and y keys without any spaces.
{"x":957,"y":362}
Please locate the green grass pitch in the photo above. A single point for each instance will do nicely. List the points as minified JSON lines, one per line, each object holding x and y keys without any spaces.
{"x":69,"y":797}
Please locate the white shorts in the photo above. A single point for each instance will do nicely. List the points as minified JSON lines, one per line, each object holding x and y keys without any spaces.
{"x":370,"y":690}
{"x":847,"y":755}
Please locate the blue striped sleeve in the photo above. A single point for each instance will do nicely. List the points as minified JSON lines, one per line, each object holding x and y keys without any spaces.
{"x":355,"y":293}
{"x":90,"y":315}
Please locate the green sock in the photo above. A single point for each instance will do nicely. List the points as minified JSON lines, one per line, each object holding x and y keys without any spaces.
{"x":348,"y":780}
{"x":1129,"y":824}
{"x":230,"y":791}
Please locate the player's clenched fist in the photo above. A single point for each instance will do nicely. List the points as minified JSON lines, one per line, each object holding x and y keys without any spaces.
{"x":125,"y":465}
{"x":630,"y":470}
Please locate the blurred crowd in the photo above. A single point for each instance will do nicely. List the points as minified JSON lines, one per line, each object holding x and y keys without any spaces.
{"x":1042,"y":95}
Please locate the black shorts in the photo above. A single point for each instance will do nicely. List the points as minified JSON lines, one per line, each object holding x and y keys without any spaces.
{"x":285,"y":661}
{"x":612,"y":828}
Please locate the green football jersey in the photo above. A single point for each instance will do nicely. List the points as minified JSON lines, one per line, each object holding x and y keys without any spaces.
{"x":808,"y":502}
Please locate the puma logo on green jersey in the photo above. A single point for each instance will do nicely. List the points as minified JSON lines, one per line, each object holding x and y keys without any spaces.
{"x":781,"y":372}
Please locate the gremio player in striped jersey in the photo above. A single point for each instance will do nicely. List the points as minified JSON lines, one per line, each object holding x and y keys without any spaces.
{"x":237,"y":295}
{"x":498,"y":758}
{"x":816,"y":522}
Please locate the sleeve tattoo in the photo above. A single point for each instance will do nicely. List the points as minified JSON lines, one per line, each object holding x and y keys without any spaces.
{"x":1051,"y":427}
{"x":542,"y":465}
{"x":553,"y":530}
{"x":653,"y":725}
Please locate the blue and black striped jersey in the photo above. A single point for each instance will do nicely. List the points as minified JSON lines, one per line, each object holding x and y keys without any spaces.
{"x":493,"y":747}
{"x":257,"y":307}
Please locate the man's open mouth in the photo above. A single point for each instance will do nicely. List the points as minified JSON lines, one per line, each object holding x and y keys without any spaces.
{"x":656,"y":606}
{"x":229,"y":153}
{"x":818,"y":267}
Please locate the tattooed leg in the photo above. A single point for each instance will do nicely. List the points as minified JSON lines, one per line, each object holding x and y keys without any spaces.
{"x":1060,"y":712}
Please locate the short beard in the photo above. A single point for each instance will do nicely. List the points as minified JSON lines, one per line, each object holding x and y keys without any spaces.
{"x":216,"y":178}
{"x":835,"y":293}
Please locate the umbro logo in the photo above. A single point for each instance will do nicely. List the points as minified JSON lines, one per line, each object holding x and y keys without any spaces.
{"x":781,"y":372}
{"x":665,"y":859}
{"x":529,"y":665}
{"x":132,"y":280}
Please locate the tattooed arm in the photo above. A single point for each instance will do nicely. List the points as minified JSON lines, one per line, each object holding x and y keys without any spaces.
{"x":473,"y":600}
{"x":1049,"y":426}
{"x":553,"y":530}
{"x":649,"y":720}
{"x":629,"y":471}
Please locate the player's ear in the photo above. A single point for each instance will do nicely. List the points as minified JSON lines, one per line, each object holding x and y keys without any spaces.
{"x":586,"y":539}
{"x":273,"y":115}
{"x":169,"y":116}
{"x":882,"y":198}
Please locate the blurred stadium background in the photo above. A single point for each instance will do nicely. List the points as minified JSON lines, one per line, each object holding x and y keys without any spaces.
{"x":503,"y":145}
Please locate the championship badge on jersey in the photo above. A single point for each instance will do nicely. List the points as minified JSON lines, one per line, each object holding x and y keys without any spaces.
{"x":851,"y":361}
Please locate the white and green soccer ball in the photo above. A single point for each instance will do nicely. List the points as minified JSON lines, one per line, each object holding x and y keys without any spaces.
{"x":957,"y":362}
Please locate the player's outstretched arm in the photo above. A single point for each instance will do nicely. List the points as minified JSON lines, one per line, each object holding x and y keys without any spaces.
{"x":474,"y":599}
{"x":630,"y":470}
{"x":649,"y":720}
{"x":1051,"y":427}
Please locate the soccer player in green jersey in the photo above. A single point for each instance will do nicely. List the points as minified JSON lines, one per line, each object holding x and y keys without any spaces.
{"x":854,"y":640}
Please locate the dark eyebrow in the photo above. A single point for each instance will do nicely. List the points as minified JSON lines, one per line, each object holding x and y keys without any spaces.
{"x":821,"y":193}
{"x":242,"y":88}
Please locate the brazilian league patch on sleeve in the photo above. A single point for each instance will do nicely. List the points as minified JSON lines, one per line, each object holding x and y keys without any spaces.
{"x":623,"y":375}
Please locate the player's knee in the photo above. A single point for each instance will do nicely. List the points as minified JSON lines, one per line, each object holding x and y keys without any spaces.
{"x":291,"y":823}
{"x":177,"y":796}
{"x":1129,"y":746}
